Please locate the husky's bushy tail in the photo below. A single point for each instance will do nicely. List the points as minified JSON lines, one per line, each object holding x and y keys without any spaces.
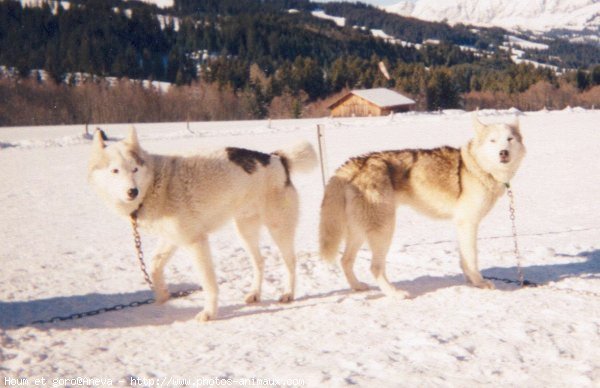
{"x":300,"y":158}
{"x":333,"y":218}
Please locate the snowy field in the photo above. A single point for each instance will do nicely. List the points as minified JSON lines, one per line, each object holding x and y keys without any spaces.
{"x":62,"y":251}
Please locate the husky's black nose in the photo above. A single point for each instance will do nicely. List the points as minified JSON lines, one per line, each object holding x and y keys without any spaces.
{"x":132,"y":193}
{"x":504,"y":156}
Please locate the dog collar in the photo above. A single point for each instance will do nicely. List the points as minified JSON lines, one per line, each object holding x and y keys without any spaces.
{"x":134,"y":214}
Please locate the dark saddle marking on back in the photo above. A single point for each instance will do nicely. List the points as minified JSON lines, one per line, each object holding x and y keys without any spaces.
{"x":247,"y":159}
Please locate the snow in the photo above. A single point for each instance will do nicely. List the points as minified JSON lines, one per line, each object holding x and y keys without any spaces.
{"x":63,"y":251}
{"x":160,"y":3}
{"x":526,"y":44}
{"x":390,"y":39}
{"x":39,"y":3}
{"x":341,"y":22}
{"x":381,"y":34}
{"x":166,"y":20}
{"x":528,"y":15}
{"x":66,"y":4}
{"x":585,"y":39}
{"x":517,"y":57}
{"x":79,"y":78}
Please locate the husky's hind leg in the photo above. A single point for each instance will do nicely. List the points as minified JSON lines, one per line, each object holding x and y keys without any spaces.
{"x":249,"y":232}
{"x":379,"y":240}
{"x":353,"y":243}
{"x":163,"y":253}
{"x":285,"y":242}
{"x":282,"y":219}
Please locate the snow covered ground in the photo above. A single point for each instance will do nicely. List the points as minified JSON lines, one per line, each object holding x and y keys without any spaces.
{"x":62,"y":251}
{"x":339,"y":21}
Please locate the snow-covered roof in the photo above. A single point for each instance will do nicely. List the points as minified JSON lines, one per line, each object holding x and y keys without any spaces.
{"x":382,"y":97}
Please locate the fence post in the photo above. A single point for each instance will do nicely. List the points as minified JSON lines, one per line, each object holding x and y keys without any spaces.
{"x":322,"y":153}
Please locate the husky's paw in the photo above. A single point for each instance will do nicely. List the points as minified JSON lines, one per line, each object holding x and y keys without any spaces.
{"x":286,"y":298}
{"x":360,"y":286}
{"x":398,"y":294}
{"x":161,"y":296}
{"x":485,"y":284}
{"x":205,"y":316}
{"x":252,"y":297}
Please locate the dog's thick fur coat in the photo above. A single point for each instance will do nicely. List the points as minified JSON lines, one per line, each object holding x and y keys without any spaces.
{"x":183,"y":199}
{"x":448,"y":183}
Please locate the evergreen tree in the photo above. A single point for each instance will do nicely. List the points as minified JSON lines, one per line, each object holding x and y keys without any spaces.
{"x":257,"y":102}
{"x":308,"y":76}
{"x":582,"y":80}
{"x":54,"y":65}
{"x":595,"y":76}
{"x":441,"y":93}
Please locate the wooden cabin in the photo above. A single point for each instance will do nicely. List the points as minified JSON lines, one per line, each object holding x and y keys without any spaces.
{"x":370,"y":102}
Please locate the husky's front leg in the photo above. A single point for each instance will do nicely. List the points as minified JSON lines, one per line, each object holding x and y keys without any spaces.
{"x":161,"y":257}
{"x":467,"y":241}
{"x":201,"y":251}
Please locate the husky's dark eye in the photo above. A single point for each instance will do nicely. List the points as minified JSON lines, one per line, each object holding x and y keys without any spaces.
{"x":135,"y":169}
{"x":510,"y":139}
{"x":492,"y":140}
{"x":115,"y":171}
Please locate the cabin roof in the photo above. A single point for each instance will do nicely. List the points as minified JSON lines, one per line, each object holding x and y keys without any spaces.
{"x":382,"y":97}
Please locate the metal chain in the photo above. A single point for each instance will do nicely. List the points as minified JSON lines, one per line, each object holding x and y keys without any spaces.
{"x":524,"y":283}
{"x":521,"y":278}
{"x":138,"y":248}
{"x":90,"y":313}
{"x":512,"y":216}
{"x":140,"y":256}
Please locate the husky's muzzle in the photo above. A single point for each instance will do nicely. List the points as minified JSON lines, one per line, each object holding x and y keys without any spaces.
{"x":504,"y":156}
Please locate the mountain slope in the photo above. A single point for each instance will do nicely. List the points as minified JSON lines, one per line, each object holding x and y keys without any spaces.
{"x":539,"y":15}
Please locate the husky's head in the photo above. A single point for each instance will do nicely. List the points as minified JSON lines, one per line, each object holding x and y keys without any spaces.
{"x":498,"y":148}
{"x":120,"y":172}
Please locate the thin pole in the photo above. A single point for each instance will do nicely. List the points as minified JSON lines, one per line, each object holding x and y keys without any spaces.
{"x":322,"y":152}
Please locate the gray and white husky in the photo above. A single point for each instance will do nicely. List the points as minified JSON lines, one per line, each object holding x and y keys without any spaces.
{"x":183,"y":199}
{"x":459,"y":184}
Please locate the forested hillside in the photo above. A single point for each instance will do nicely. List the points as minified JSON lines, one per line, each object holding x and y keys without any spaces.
{"x":271,"y":51}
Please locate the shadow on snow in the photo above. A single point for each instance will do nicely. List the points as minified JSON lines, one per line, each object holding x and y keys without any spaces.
{"x":14,"y":314}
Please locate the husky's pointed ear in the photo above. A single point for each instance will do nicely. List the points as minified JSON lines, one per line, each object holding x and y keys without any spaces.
{"x":98,"y":140}
{"x":98,"y":155}
{"x":477,"y":125}
{"x":132,"y":138}
{"x":515,"y":124}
